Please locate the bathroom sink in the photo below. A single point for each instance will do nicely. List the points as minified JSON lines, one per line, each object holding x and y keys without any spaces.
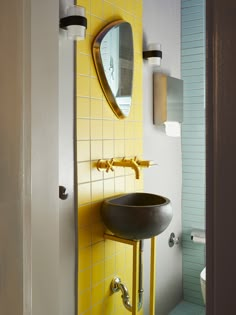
{"x":136,"y":216}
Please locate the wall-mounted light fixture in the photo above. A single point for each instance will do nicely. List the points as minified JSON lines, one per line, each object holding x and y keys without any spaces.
{"x":153,"y":54}
{"x":75,"y":22}
{"x":168,"y":103}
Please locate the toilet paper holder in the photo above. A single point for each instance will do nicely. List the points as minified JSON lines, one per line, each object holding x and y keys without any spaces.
{"x":198,"y":236}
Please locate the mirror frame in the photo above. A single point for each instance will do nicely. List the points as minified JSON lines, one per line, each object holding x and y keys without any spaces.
{"x":100,"y":70}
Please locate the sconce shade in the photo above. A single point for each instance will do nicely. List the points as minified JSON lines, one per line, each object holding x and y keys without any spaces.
{"x":153,"y":54}
{"x":167,"y":99}
{"x":75,"y":22}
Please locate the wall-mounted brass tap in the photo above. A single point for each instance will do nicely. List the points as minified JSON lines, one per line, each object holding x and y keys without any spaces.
{"x":134,"y":163}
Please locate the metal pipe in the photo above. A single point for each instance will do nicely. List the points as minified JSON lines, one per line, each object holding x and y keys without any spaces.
{"x":140,"y":286}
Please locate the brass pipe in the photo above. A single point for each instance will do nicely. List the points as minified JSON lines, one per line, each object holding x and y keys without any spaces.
{"x":129,"y":163}
{"x":134,"y":163}
{"x":153,"y":276}
{"x":135,"y":275}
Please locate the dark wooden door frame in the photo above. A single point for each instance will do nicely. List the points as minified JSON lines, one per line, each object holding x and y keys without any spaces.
{"x":221,"y":156}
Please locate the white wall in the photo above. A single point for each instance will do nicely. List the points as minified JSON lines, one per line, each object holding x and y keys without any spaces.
{"x":44,"y":157}
{"x":161,"y":23}
{"x":66,"y":174}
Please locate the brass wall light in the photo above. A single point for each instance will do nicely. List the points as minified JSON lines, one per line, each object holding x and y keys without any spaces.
{"x":74,"y":22}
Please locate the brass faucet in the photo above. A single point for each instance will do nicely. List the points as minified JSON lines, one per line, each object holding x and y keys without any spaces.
{"x":133,"y":163}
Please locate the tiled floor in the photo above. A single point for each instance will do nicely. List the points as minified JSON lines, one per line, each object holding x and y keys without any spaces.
{"x":186,"y":308}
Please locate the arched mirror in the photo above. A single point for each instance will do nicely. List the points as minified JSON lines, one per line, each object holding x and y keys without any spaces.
{"x":114,"y":58}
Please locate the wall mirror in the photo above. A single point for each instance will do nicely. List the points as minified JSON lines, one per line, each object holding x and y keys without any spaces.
{"x":113,"y":57}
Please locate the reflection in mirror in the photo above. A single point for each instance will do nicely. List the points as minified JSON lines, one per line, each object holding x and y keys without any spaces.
{"x":113,"y":59}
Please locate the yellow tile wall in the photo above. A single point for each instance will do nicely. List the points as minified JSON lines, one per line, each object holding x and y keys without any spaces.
{"x":101,"y":135}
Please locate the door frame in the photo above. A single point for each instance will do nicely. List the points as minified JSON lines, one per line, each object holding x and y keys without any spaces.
{"x":220,"y":156}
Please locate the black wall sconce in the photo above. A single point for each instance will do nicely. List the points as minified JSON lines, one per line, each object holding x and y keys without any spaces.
{"x":153,"y":54}
{"x":75,"y":22}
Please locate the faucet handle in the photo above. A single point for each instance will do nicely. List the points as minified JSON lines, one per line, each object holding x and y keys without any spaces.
{"x":105,"y":164}
{"x":110,"y":166}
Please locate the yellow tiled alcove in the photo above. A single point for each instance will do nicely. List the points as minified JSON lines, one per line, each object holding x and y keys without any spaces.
{"x":101,"y":135}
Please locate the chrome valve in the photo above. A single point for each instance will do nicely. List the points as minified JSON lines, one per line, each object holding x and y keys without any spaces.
{"x":173,"y":240}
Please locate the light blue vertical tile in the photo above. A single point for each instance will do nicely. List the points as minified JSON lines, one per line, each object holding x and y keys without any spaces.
{"x":193,"y":198}
{"x":190,"y":65}
{"x":192,"y":44}
{"x":196,"y":77}
{"x":193,"y":58}
{"x":191,"y":17}
{"x":193,"y":37}
{"x":193,"y":151}
{"x":195,"y":85}
{"x":192,"y":23}
{"x":192,"y":51}
{"x":191,"y":3}
{"x":193,"y":9}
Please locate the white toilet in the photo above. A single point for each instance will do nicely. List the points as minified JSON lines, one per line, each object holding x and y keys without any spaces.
{"x":203,"y":283}
{"x":199,"y":236}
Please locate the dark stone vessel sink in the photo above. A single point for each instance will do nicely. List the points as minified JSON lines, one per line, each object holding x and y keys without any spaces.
{"x":136,"y":216}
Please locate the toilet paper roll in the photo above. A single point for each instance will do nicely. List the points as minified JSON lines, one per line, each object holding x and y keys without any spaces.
{"x":198,"y":236}
{"x":199,"y":240}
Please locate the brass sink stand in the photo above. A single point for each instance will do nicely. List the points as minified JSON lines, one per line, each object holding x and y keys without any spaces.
{"x":135,"y":280}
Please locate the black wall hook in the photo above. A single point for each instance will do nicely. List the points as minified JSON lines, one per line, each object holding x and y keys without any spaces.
{"x":62,"y":193}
